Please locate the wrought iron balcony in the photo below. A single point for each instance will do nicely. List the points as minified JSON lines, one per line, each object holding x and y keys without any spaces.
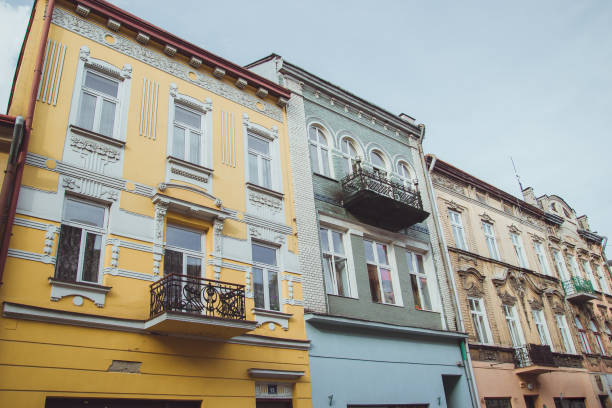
{"x":578,"y":290}
{"x":534,"y":359}
{"x":375,"y":199}
{"x":192,"y":305}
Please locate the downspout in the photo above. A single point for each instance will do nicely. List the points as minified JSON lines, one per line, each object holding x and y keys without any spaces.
{"x":11,"y":198}
{"x":465,"y":354}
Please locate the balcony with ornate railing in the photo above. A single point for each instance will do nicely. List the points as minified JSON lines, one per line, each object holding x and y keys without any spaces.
{"x":578,"y":290}
{"x":375,"y":199}
{"x":192,"y":305}
{"x":534,"y":359}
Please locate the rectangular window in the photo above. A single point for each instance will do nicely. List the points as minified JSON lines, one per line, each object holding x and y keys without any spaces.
{"x":259,"y":161}
{"x":586,"y":266}
{"x":541,"y":258}
{"x":334,"y":262}
{"x":519,"y":249}
{"x":569,"y":402}
{"x":183,"y":254}
{"x":514,"y":326}
{"x":379,"y":272}
{"x":418,"y":280}
{"x":560,"y":265}
{"x":582,"y":336}
{"x":479,"y":320}
{"x":498,"y":403}
{"x":265,"y":277}
{"x":457,"y":227}
{"x":98,"y":104}
{"x":542,"y":327}
{"x":187,"y":138}
{"x":603,"y":283}
{"x":489,"y":234}
{"x":79,"y":253}
{"x":566,"y":337}
{"x":597,"y":336}
{"x":573,"y":266}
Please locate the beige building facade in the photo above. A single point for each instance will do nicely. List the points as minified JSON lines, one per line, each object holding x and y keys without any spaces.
{"x":534,"y":291}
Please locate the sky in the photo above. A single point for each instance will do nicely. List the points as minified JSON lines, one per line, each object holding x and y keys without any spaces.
{"x":490,"y":80}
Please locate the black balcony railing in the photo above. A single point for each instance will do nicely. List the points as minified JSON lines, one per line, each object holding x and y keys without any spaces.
{"x":533,"y":355}
{"x":204,"y":297}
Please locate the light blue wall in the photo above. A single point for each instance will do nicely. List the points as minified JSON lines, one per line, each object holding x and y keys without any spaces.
{"x":360,"y":367}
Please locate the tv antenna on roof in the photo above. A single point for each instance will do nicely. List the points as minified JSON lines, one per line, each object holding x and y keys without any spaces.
{"x":518,"y":178}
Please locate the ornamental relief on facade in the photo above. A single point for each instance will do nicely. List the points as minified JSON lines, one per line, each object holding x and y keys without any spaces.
{"x":89,"y":187}
{"x":445,"y":182}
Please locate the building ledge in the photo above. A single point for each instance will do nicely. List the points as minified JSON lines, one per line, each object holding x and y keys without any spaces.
{"x":191,"y":323}
{"x":271,"y":316}
{"x":95,"y":293}
{"x":276,"y":374}
{"x":534,"y":370}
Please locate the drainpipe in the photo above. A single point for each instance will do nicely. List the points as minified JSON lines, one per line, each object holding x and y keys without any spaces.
{"x":9,"y":206}
{"x":465,"y":354}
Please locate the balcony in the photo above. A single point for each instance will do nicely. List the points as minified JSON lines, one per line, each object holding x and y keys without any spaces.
{"x":578,"y":290}
{"x":182,"y":304}
{"x":376,"y":200}
{"x":533,"y":359}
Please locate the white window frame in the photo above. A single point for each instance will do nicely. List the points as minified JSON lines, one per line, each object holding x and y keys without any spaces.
{"x":383,"y":171}
{"x":575,"y":270}
{"x":418,"y":274}
{"x":457,"y":229}
{"x":347,"y":159}
{"x":391,"y":267}
{"x":320,"y":148}
{"x":201,"y":255}
{"x":519,"y":249}
{"x":566,"y":336}
{"x":271,"y":136}
{"x":406,"y":174}
{"x":266,"y":269}
{"x":489,"y":234}
{"x":108,"y":71}
{"x":542,"y":328}
{"x":512,"y":319}
{"x":582,"y":336}
{"x":560,"y":265}
{"x":586,"y":266}
{"x":603,"y":283}
{"x":332,"y":285}
{"x":541,"y":255}
{"x":597,"y":336}
{"x":486,"y":330}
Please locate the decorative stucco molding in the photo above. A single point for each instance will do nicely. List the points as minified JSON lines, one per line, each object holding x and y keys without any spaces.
{"x":95,"y":293}
{"x":262,"y":316}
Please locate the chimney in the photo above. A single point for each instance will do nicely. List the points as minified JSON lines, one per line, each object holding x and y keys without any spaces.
{"x":407,"y":118}
{"x":529,"y":196}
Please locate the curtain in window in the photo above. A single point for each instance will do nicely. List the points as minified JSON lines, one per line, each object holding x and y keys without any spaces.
{"x":68,"y":253}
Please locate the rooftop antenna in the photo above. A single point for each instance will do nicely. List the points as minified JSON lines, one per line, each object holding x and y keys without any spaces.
{"x":518,"y":178}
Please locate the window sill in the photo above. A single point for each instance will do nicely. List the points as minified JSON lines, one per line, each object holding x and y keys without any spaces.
{"x":94,"y":292}
{"x":388,"y":304}
{"x":265,"y":190}
{"x":192,"y":166}
{"x":343,"y":297}
{"x":271,"y":316}
{"x":325,"y":177}
{"x":97,"y":136}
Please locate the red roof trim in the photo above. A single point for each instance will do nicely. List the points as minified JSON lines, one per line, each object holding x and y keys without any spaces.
{"x":136,"y":24}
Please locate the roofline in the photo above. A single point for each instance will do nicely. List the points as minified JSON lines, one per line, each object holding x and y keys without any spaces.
{"x":23,"y":45}
{"x":449,"y":169}
{"x":262,"y":60}
{"x":136,"y":24}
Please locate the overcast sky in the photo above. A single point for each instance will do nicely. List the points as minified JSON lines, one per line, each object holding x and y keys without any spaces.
{"x":490,"y":80}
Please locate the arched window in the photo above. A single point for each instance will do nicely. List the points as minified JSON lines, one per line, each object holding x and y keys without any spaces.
{"x":319,"y":156}
{"x":405,"y":174}
{"x":349,"y":154}
{"x":378,"y":162}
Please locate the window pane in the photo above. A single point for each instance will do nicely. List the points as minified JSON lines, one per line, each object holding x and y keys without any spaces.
{"x":325,"y":162}
{"x":259,"y":145}
{"x":258,"y":288}
{"x":425,"y":293}
{"x":253,"y":176}
{"x":409,"y":261}
{"x":178,"y":143}
{"x":68,"y":253}
{"x":191,"y":119}
{"x":385,"y":274}
{"x":415,"y":292}
{"x":312,"y":133}
{"x":107,"y":120}
{"x":377,"y":160}
{"x":263,"y":254}
{"x":323,"y":237}
{"x":330,"y":285}
{"x":273,"y":290}
{"x":182,"y":238}
{"x":419,"y":259}
{"x":194,"y":148}
{"x":87,"y":111}
{"x":337,"y":240}
{"x":374,"y":285}
{"x":314,"y":159}
{"x":382,"y":254}
{"x":91,"y":258}
{"x":101,"y":84}
{"x":84,"y":213}
{"x":173,"y":262}
{"x":369,"y":251}
{"x":194,"y":267}
{"x":265,"y":173}
{"x":341,"y":277}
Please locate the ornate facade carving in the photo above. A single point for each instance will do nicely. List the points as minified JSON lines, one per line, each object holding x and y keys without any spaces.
{"x":486,"y":218}
{"x":265,"y":234}
{"x":536,"y":304}
{"x":443,"y":181}
{"x":263,"y":200}
{"x":507,"y":299}
{"x":514,"y":229}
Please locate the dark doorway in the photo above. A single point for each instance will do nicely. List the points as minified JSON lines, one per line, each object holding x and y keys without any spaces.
{"x":604,"y":401}
{"x":273,"y":404}
{"x":451,"y":393}
{"x":569,"y":403}
{"x":117,"y":403}
{"x":530,"y":401}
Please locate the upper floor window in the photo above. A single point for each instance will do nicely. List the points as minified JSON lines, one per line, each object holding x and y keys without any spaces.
{"x":539,"y":250}
{"x":582,"y":336}
{"x":479,"y":319}
{"x":507,"y":208}
{"x":457,"y":228}
{"x":489,"y":234}
{"x":608,"y":332}
{"x":379,"y":272}
{"x":542,"y":327}
{"x":183,"y":254}
{"x":319,"y":151}
{"x":378,"y":162}
{"x":418,"y":280}
{"x":98,"y":103}
{"x":265,"y":277}
{"x":566,"y":336}
{"x":517,"y":242}
{"x":79,"y":253}
{"x":597,"y":336}
{"x":573,"y":266}
{"x":514,"y":326}
{"x":480,"y":196}
{"x":589,"y":273}
{"x":603,"y":283}
{"x":187,"y":143}
{"x":560,"y":265}
{"x":260,"y":160}
{"x":349,"y":154}
{"x":334,"y":262}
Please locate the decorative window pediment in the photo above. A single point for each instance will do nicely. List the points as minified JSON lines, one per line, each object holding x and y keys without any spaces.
{"x":507,"y":299}
{"x":486,"y":218}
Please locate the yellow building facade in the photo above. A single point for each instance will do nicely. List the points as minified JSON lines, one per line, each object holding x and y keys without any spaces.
{"x":153,"y":256}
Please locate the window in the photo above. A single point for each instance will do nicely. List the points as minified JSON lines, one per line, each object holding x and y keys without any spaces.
{"x":582,"y":336}
{"x":98,"y":103}
{"x":603,"y":283}
{"x":541,"y":258}
{"x":560,"y":265}
{"x":79,"y":253}
{"x":457,"y":227}
{"x":319,"y":156}
{"x":597,"y":336}
{"x":514,"y":326}
{"x":498,"y":403}
{"x":349,"y":154}
{"x":259,"y":161}
{"x":565,"y":402}
{"x":479,"y":319}
{"x":542,"y":327}
{"x":566,"y":337}
{"x":608,"y":331}
{"x":183,"y":255}
{"x":405,"y":174}
{"x":334,"y":262}
{"x":482,"y":197}
{"x":573,"y":266}
{"x":265,"y":277}
{"x":379,"y":272}
{"x":507,"y":208}
{"x":519,"y":249}
{"x":489,"y":234}
{"x":187,"y":141}
{"x":378,"y":162}
{"x":586,"y":266}
{"x":418,"y":280}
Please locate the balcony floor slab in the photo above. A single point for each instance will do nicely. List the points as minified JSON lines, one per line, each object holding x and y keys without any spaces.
{"x":200,"y":325}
